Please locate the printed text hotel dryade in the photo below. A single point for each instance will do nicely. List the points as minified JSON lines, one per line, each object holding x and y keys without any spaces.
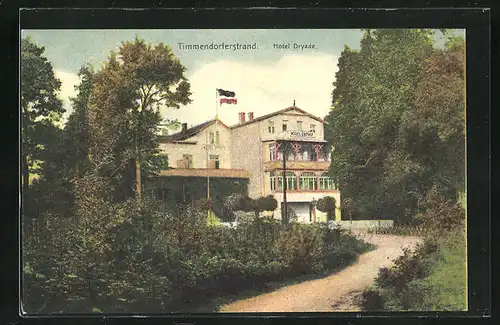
{"x":294,"y":46}
{"x":218,"y":46}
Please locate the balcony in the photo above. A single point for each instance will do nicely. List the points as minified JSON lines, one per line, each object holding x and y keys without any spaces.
{"x":297,"y":165}
{"x":306,"y":196}
{"x":204,"y":172}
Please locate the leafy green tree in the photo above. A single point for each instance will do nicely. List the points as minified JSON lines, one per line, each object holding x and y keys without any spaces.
{"x":266,"y":203}
{"x":327,"y":204}
{"x":39,"y":102}
{"x":374,"y":88}
{"x":397,"y":123}
{"x":76,"y":130}
{"x":124,"y":112}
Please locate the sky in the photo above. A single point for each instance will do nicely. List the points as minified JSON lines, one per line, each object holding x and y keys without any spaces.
{"x":265,"y":79}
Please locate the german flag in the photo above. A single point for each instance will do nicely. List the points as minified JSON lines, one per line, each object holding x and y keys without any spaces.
{"x":226,"y":93}
{"x":228,"y":97}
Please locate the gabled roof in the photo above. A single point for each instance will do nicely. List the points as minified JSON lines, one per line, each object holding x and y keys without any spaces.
{"x":291,"y":108}
{"x":190,"y":132}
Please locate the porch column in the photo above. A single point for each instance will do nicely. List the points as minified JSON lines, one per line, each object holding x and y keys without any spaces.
{"x":317,"y":175}
{"x":297,"y":175}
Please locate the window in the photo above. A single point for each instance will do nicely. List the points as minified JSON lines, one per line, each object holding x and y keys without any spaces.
{"x":271,"y":152}
{"x":270,"y":128}
{"x":313,"y":127}
{"x":308,"y":181}
{"x":326,"y":183}
{"x":299,"y":125}
{"x":189,"y":160}
{"x":212,"y":138}
{"x":285,"y":125}
{"x":272,"y":181}
{"x":291,"y":181}
{"x":216,"y":161}
{"x":217,"y":138}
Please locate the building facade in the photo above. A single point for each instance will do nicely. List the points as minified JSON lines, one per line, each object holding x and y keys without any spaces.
{"x":254,"y":149}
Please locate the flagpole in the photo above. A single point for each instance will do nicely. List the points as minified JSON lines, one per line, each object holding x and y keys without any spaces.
{"x":216,"y":104}
{"x":208,"y":178}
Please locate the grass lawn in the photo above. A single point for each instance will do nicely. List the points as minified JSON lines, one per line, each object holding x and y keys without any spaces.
{"x":443,"y":289}
{"x":448,"y":280}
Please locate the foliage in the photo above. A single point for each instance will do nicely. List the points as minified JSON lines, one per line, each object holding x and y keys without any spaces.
{"x":327,"y":204}
{"x":291,"y":215}
{"x":232,"y":202}
{"x":124,"y":112}
{"x":430,"y":278}
{"x":182,"y":190}
{"x":40,"y":106}
{"x":134,"y":256}
{"x":397,"y":123}
{"x":267,"y":203}
{"x":441,"y":214}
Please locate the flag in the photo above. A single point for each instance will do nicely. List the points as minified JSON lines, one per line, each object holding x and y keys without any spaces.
{"x":226,"y":93}
{"x":229,"y":96}
{"x":228,"y":101}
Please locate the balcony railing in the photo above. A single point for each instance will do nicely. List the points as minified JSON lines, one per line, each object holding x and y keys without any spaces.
{"x":310,"y":165}
{"x":301,"y":182}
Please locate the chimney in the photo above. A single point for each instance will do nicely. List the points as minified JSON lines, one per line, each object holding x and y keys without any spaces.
{"x":241,"y":117}
{"x":184,"y":127}
{"x":250,"y":116}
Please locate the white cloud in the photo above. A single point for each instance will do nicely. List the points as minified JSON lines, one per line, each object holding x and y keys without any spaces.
{"x":260,"y":87}
{"x":68,"y":83}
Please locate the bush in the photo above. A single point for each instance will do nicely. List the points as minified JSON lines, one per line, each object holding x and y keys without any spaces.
{"x":441,"y":214}
{"x":327,"y":204}
{"x":371,"y":300}
{"x":423,"y":279}
{"x":151,"y":260}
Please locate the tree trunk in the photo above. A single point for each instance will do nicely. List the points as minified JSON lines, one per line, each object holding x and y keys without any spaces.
{"x":138,"y":184}
{"x":26,"y":172}
{"x":25,"y":167}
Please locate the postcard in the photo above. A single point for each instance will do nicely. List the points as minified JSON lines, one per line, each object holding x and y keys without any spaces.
{"x":243,"y":170}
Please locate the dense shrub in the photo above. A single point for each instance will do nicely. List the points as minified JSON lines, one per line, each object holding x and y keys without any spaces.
{"x":400,"y":287}
{"x":154,"y":260}
{"x":442,"y":215}
{"x":327,"y":204}
{"x":372,"y":300}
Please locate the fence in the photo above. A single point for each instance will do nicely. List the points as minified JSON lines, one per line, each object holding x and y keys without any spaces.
{"x":346,"y":224}
{"x":363,"y":224}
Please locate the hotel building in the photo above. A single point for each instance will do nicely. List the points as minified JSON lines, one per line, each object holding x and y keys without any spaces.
{"x":252,"y":149}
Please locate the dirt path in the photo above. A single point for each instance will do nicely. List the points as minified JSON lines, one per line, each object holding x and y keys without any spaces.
{"x":334,"y":292}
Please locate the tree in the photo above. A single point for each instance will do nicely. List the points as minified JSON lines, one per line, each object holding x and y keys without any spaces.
{"x":266,"y":203}
{"x":246,"y":204}
{"x":397,"y":123}
{"x":432,"y":135}
{"x":39,"y":101}
{"x":124,"y":113}
{"x":374,"y":88}
{"x":327,"y":204}
{"x":76,"y":130}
